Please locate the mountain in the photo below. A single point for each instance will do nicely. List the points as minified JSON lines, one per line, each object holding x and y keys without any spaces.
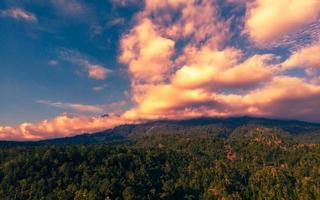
{"x":299,"y":131}
{"x":203,"y":158}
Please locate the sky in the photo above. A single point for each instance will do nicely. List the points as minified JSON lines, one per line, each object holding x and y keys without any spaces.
{"x":73,"y":66}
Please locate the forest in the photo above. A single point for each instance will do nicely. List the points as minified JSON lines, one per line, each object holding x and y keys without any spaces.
{"x":194,"y":162}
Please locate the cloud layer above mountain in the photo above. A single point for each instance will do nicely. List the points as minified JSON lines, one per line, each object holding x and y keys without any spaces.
{"x":182,"y":64}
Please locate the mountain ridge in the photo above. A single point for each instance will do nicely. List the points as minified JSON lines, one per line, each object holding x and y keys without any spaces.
{"x":124,"y":132}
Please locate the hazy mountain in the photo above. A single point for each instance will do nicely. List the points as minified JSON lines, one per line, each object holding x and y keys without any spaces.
{"x":299,"y":131}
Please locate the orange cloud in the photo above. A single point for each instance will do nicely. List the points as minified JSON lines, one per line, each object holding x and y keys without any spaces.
{"x":223,"y":74}
{"x":288,"y":97}
{"x":149,"y":49}
{"x":160,"y":4}
{"x":97,"y":71}
{"x":205,"y":55}
{"x":146,"y":52}
{"x":167,"y":101}
{"x":60,"y":126}
{"x":306,"y":57}
{"x":267,"y":20}
{"x":282,"y":97}
{"x":208,"y":79}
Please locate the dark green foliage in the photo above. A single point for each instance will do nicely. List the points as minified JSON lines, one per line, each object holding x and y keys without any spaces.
{"x":207,"y":158}
{"x":252,"y":163}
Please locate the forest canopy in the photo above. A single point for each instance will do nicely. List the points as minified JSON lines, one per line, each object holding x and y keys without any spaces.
{"x":255,"y":165}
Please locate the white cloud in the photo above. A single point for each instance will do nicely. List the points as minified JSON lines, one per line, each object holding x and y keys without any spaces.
{"x":99,"y":88}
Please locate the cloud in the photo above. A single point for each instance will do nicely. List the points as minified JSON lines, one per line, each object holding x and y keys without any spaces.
{"x":282,"y":97}
{"x":93,"y":70}
{"x":95,"y":30}
{"x":225,"y":72}
{"x":146,"y":63}
{"x":286,"y":97}
{"x":99,"y":88}
{"x":193,"y":16}
{"x":97,"y":71}
{"x":123,"y":3}
{"x":150,"y":49}
{"x":66,"y":124}
{"x":267,"y":20}
{"x":296,"y":40}
{"x":306,"y":57}
{"x":20,"y":14}
{"x":167,"y":101}
{"x":111,"y":107}
{"x":53,"y":62}
{"x":74,"y":106}
{"x":117,"y":21}
{"x":69,"y":7}
{"x":60,"y":126}
{"x":202,"y":76}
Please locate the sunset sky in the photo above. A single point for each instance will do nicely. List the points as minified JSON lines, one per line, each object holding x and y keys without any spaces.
{"x":71,"y":66}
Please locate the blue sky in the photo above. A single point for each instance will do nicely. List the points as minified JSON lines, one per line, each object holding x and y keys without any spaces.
{"x":33,"y":69}
{"x":66,"y":63}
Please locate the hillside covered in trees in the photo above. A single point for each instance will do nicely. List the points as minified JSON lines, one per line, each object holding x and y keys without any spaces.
{"x":240,"y":158}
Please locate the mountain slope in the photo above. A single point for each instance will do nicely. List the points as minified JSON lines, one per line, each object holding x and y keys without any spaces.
{"x":251,"y":163}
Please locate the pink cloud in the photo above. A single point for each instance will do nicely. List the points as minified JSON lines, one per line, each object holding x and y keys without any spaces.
{"x":282,"y":97}
{"x":149,"y":48}
{"x":146,"y":52}
{"x":124,"y":2}
{"x":226,"y":72}
{"x":53,"y":62}
{"x":97,"y":71}
{"x":306,"y":57}
{"x":208,"y":78}
{"x":19,"y":13}
{"x":93,"y":70}
{"x":75,"y":106}
{"x":69,"y":7}
{"x":114,"y":107}
{"x":267,"y":20}
{"x":287,"y":97}
{"x":194,"y":16}
{"x":60,"y":126}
